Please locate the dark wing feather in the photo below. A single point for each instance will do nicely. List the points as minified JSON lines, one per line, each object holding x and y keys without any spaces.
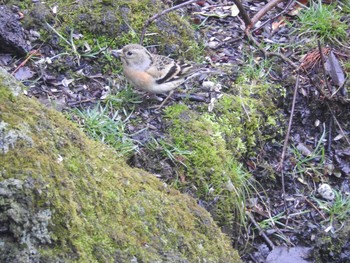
{"x":166,"y":69}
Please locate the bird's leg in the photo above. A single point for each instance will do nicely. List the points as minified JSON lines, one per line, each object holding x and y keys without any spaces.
{"x":164,"y":101}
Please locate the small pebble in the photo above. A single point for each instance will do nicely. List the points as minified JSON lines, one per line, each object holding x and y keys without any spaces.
{"x":326,"y":192}
{"x":208,"y":85}
{"x":213,"y":44}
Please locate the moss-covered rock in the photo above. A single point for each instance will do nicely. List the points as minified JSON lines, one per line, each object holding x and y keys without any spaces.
{"x":65,"y":198}
{"x":216,"y":140}
{"x":210,"y":170}
{"x":249,"y":117}
{"x":101,"y":23}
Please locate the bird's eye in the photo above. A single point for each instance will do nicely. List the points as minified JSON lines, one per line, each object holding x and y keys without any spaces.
{"x":129,"y":53}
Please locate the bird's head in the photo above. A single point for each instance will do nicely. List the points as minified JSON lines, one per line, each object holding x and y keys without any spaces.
{"x":134,"y":56}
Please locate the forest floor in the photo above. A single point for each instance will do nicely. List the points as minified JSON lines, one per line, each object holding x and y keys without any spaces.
{"x":301,"y":213}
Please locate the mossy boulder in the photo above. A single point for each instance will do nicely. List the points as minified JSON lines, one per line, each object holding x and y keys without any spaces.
{"x":107,"y":23}
{"x":65,"y":198}
{"x":215,"y":141}
{"x":210,"y":170}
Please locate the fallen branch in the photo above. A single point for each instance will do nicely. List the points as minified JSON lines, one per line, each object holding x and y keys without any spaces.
{"x":280,"y":165}
{"x":156,"y":16}
{"x":262,"y":233}
{"x":285,"y":10}
{"x":31,"y":53}
{"x":249,"y":24}
{"x":271,"y":4}
{"x":243,"y":13}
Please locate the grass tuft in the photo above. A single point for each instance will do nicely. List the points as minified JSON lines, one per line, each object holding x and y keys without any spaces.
{"x":322,"y":22}
{"x":102,"y":126}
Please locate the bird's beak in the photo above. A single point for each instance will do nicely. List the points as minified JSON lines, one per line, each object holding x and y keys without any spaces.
{"x":117,"y":53}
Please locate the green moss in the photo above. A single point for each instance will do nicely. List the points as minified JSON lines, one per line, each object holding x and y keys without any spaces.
{"x":101,"y":209}
{"x":249,"y":117}
{"x":121,"y":21}
{"x":6,"y":94}
{"x":237,"y":128}
{"x":331,"y":245}
{"x":210,"y":170}
{"x":14,"y":89}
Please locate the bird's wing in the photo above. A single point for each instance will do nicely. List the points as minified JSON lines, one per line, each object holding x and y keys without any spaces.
{"x":165,"y":69}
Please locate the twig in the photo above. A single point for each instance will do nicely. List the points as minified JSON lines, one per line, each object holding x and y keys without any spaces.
{"x":73,"y":103}
{"x":315,"y":207}
{"x":283,"y":57}
{"x":323,"y":62}
{"x":156,"y":16}
{"x":32,"y":53}
{"x":338,"y":124}
{"x":262,"y":233}
{"x":280,"y":165}
{"x":253,"y":258}
{"x":340,"y":44}
{"x":285,"y":10}
{"x":191,"y":97}
{"x":229,"y":42}
{"x":330,"y":135}
{"x":243,"y":13}
{"x":263,"y":11}
{"x":268,"y":54}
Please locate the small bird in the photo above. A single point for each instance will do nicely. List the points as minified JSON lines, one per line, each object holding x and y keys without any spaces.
{"x":154,"y":73}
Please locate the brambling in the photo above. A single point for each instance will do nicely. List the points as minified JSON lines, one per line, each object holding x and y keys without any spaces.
{"x":154,"y":73}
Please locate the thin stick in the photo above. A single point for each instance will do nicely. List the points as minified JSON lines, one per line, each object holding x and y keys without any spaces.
{"x":286,"y":139}
{"x":156,"y":16}
{"x":323,"y":62}
{"x":329,"y":148}
{"x":315,"y":207}
{"x":31,"y":53}
{"x":262,"y":233}
{"x":271,"y":4}
{"x":285,"y":10}
{"x":243,"y":13}
{"x":338,"y":124}
{"x":280,"y":165}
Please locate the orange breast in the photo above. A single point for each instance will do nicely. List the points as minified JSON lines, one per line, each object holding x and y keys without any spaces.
{"x":140,"y":79}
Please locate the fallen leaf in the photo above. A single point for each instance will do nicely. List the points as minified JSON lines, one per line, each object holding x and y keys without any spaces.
{"x":278,"y":24}
{"x":24,"y":73}
{"x":338,"y":137}
{"x":303,"y":149}
{"x":65,"y":82}
{"x":234,"y":10}
{"x":335,"y":70}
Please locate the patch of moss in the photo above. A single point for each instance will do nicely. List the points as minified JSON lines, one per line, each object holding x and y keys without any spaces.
{"x":236,"y":128}
{"x":249,"y":117}
{"x":97,"y":208}
{"x":210,"y":171}
{"x":331,"y":246}
{"x":121,"y":21}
